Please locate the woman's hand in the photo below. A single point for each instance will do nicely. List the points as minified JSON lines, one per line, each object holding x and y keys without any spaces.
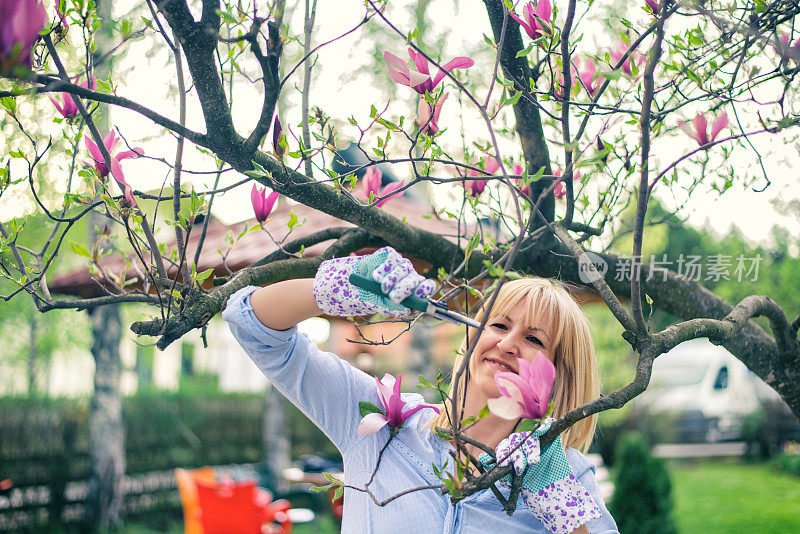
{"x":549,"y":489}
{"x":336,"y":296}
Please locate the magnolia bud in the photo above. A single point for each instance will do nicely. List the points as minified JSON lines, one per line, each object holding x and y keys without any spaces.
{"x":277,"y":132}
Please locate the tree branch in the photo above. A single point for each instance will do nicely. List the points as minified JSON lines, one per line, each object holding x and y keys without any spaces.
{"x":526,"y":110}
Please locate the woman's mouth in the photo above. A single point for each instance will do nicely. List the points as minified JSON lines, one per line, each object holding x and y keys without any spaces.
{"x":501,"y":365}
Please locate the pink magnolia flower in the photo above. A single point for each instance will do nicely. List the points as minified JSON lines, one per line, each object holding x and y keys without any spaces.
{"x":558,"y":88}
{"x":394,"y":415}
{"x":786,"y":50}
{"x":428,"y":123}
{"x":67,"y":107}
{"x":699,"y":129}
{"x":476,"y":187}
{"x":99,"y":163}
{"x":262,"y":203}
{"x":420,"y":79}
{"x":590,"y":81}
{"x":560,"y":190}
{"x":532,"y":26}
{"x":519,"y":170}
{"x":20,"y":23}
{"x":619,"y":50}
{"x":62,"y":21}
{"x":371,"y":187}
{"x":527,"y":394}
{"x":654,"y":5}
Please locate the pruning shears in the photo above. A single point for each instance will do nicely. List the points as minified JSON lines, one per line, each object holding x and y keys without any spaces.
{"x":424,"y":305}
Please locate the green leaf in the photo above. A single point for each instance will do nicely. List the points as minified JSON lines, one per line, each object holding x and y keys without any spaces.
{"x":80,"y":249}
{"x":103,"y":86}
{"x":366,"y":408}
{"x":538,"y":176}
{"x":484,"y":412}
{"x":202,"y":276}
{"x":527,"y":425}
{"x":443,"y":435}
{"x":125,"y":27}
{"x":494,"y":270}
{"x":260,"y":172}
{"x":226,"y":17}
{"x":322,"y":489}
{"x":471,"y":245}
{"x":9,"y":103}
{"x":436,"y":471}
{"x":511,"y":99}
{"x":469,"y":420}
{"x":292,"y":223}
{"x":389,"y":125}
{"x":525,"y":51}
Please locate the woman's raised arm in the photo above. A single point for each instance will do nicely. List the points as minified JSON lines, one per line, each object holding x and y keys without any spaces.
{"x":284,"y":304}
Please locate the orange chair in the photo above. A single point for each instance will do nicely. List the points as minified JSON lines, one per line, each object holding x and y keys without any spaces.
{"x":228,"y":507}
{"x":187,"y":488}
{"x":240,"y":508}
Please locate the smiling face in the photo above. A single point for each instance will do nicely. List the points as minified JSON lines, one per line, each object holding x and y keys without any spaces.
{"x":514,"y":333}
{"x":554,"y":325}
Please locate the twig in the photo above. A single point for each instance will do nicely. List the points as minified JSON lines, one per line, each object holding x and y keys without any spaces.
{"x":308,"y":26}
{"x":641,"y":207}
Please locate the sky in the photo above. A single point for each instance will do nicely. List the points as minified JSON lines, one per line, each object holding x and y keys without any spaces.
{"x":342,"y":91}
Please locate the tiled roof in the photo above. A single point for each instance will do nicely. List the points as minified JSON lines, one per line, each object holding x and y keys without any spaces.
{"x":251,"y":247}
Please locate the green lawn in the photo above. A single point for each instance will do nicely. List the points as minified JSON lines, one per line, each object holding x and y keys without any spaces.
{"x":735,"y":498}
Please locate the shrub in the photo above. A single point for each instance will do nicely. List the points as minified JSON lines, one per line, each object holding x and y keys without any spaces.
{"x":766,"y":430}
{"x":642,"y":499}
{"x":789,"y":459}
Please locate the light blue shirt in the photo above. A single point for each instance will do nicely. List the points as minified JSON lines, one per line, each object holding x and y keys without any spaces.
{"x":328,"y":389}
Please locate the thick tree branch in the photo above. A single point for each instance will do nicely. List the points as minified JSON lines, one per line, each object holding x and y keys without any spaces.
{"x":526,"y":110}
{"x":199,"y":41}
{"x":269,"y":74}
{"x":205,"y":305}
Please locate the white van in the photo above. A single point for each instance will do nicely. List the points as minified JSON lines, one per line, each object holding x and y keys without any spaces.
{"x":706,"y":389}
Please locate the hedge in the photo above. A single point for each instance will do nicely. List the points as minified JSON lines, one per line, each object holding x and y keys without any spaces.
{"x":44,"y":450}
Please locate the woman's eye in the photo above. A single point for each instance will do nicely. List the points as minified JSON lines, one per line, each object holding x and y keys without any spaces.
{"x":535,"y":340}
{"x":499,"y":326}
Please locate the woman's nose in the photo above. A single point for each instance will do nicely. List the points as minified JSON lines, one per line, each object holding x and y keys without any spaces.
{"x":508,"y":343}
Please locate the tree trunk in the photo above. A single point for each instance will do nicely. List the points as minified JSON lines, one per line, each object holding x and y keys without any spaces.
{"x":106,"y":431}
{"x":277,"y":441}
{"x":33,"y":352}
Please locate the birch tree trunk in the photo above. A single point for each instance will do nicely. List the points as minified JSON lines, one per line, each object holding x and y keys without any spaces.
{"x":106,"y":430}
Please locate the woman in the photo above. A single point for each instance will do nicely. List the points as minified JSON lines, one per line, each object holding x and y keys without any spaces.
{"x":528,"y":318}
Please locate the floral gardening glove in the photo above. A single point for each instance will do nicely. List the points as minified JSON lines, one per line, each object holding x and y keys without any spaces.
{"x":549,"y":489}
{"x":336,"y":296}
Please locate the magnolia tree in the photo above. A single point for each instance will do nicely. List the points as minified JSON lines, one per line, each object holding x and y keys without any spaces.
{"x":564,"y":117}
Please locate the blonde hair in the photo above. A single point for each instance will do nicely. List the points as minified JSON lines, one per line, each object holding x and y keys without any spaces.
{"x":576,"y":381}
